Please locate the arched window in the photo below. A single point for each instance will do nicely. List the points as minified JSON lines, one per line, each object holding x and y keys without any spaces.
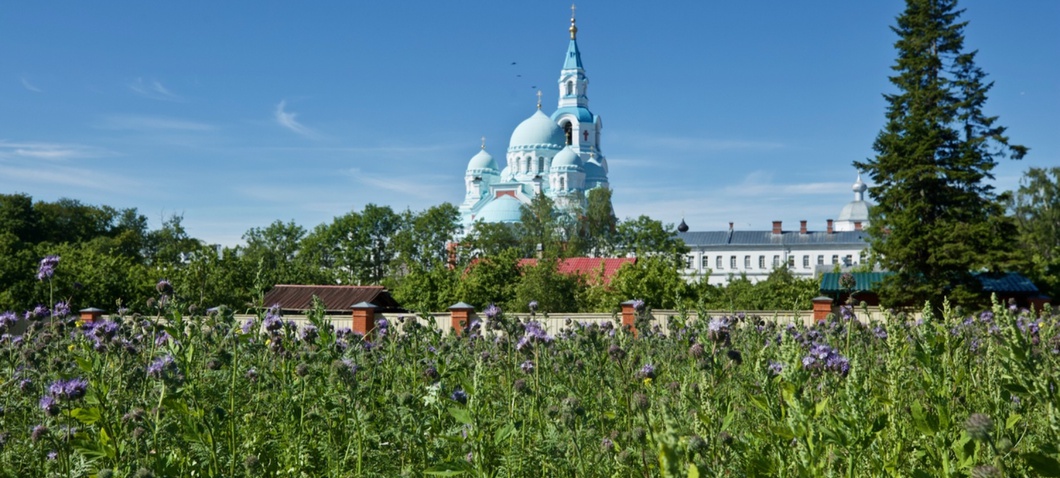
{"x":540,"y":164}
{"x":562,"y":183}
{"x":569,"y":131}
{"x":570,"y":87}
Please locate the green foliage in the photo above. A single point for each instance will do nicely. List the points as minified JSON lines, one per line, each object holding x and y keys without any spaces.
{"x":1035,"y":207}
{"x":490,"y":280}
{"x":183,"y":393}
{"x":653,"y":279}
{"x":936,"y":216}
{"x":426,"y":289}
{"x":554,"y":292}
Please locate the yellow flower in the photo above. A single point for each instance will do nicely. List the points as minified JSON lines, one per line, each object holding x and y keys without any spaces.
{"x":647,"y":380}
{"x":70,"y":347}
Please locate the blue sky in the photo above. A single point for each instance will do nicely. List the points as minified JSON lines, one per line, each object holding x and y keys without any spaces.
{"x":237,"y":114}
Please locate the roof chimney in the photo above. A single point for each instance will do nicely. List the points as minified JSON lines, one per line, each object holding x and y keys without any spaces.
{"x":802,"y":226}
{"x":776,"y":227}
{"x":857,"y":225}
{"x":830,"y":230}
{"x":730,"y":226}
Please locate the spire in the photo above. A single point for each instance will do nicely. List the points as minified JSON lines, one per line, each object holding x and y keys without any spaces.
{"x":859,"y":189}
{"x":483,"y":143}
{"x":573,"y":27}
{"x":539,"y":99}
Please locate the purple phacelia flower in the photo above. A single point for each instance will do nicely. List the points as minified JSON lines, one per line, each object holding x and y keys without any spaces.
{"x":164,"y":287}
{"x":775,"y":368}
{"x":47,"y":267}
{"x":532,"y":305}
{"x":527,"y":366}
{"x":492,"y":311}
{"x":647,"y":371}
{"x":309,"y":333}
{"x":49,"y":405}
{"x":459,"y":396}
{"x":248,"y":326}
{"x":163,"y":368}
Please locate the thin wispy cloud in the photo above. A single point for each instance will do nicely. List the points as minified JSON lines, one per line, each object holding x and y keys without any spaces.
{"x":422,"y":186}
{"x":289,"y":120}
{"x":699,"y":144}
{"x":55,"y":176}
{"x":153,"y":89}
{"x":30,"y":86}
{"x":46,"y":151}
{"x":151,"y":123}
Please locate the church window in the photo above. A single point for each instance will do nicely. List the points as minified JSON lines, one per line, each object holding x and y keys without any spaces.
{"x":717,"y":262}
{"x":848,"y":260}
{"x":732,"y":262}
{"x":805,"y":262}
{"x":761,"y":262}
{"x":791,"y":262}
{"x":568,"y":130}
{"x":688,"y":262}
{"x":776,"y":261}
{"x":540,"y":164}
{"x":835,"y":259}
{"x":706,"y":262}
{"x":820,"y":260}
{"x":570,"y":87}
{"x":746,"y":262}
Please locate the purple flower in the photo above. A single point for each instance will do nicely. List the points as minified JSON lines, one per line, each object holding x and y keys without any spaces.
{"x":7,"y":320}
{"x":37,"y":312}
{"x":52,"y":455}
{"x":459,"y":396}
{"x":309,"y":333}
{"x":527,"y":366}
{"x":492,"y":311}
{"x":47,"y":267}
{"x":775,"y":368}
{"x":162,"y":338}
{"x":61,"y":309}
{"x":533,"y":306}
{"x":163,"y":368}
{"x":248,"y":326}
{"x":38,"y":432}
{"x":49,"y":405}
{"x":638,"y":305}
{"x":647,"y":371}
{"x":273,"y":322}
{"x":164,"y":287}
{"x":880,"y":332}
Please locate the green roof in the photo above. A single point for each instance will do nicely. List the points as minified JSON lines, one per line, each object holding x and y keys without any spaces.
{"x":1007,"y":282}
{"x":865,"y":281}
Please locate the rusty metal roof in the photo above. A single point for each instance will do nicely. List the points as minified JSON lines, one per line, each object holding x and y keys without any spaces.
{"x":336,"y":298}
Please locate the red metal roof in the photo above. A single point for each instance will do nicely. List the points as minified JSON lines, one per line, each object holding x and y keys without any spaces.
{"x":589,"y":267}
{"x":336,"y":298}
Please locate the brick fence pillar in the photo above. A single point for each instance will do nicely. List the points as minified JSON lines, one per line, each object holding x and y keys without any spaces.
{"x":90,"y":315}
{"x":363,"y":318}
{"x":629,"y":315}
{"x":822,"y":306}
{"x":460,"y":316}
{"x":1038,"y":302}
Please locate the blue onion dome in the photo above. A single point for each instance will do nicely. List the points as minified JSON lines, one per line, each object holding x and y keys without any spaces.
{"x":482,"y":160}
{"x":566,"y":160}
{"x":537,"y":132}
{"x":682,"y":227}
{"x":502,"y":209}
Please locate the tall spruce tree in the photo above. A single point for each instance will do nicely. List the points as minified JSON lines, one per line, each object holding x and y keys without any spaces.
{"x":936,"y":218}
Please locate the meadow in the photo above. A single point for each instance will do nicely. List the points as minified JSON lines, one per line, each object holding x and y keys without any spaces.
{"x":181,"y":392}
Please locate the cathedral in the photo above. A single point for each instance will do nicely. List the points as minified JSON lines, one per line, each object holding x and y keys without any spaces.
{"x":557,"y":155}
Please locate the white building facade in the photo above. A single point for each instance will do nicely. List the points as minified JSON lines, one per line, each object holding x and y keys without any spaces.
{"x":716,"y":256}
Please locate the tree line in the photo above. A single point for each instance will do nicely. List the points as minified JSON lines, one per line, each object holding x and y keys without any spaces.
{"x":110,"y":259}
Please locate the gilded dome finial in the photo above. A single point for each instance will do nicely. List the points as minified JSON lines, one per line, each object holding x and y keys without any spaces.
{"x":573,"y":28}
{"x":538,"y":99}
{"x":483,"y":143}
